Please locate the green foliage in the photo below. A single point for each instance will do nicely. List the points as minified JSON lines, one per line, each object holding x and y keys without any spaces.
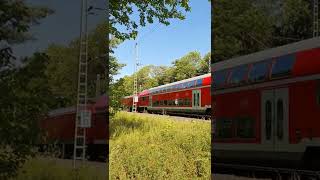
{"x":185,"y":67}
{"x":53,"y":169}
{"x":62,"y":68}
{"x":25,"y":99}
{"x":121,"y":14}
{"x":295,"y":21}
{"x":23,"y":90}
{"x":163,"y":148}
{"x":239,"y":28}
{"x":15,"y":21}
{"x":247,"y":26}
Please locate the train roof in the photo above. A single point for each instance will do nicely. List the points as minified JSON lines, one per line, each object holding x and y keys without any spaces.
{"x":128,"y":97}
{"x":99,"y":103}
{"x":182,"y":81}
{"x":61,"y":111}
{"x":268,"y":53}
{"x":144,"y":92}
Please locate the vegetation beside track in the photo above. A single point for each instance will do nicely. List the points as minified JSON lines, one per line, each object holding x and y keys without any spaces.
{"x":143,"y":147}
{"x":57,"y":169}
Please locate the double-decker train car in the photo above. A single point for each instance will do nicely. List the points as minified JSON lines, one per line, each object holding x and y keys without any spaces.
{"x":127,"y":103}
{"x":267,"y":107}
{"x":190,"y":96}
{"x":59,"y":126}
{"x":143,"y":101}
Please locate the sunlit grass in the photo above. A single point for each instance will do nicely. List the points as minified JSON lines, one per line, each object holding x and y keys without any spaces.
{"x":53,"y":169}
{"x":145,"y":147}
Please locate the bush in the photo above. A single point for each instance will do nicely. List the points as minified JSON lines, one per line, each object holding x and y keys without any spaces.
{"x":151,"y":147}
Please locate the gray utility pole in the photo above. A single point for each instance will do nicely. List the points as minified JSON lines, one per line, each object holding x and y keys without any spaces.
{"x":209,"y":65}
{"x":135,"y":81}
{"x":315,"y":18}
{"x":83,"y":116}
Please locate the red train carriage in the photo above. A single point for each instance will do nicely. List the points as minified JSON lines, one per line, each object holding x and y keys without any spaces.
{"x":267,"y":107}
{"x":190,"y":96}
{"x":59,"y":127}
{"x":127,"y":103}
{"x":143,"y":101}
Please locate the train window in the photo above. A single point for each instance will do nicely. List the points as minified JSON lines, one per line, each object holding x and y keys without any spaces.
{"x":185,"y":102}
{"x":192,"y":83}
{"x":280,"y":119}
{"x":223,"y":128}
{"x":219,"y":78}
{"x":180,"y":102}
{"x":238,"y":74}
{"x":198,"y":99}
{"x":198,"y":82}
{"x":165,"y":102}
{"x":268,"y":119}
{"x":245,"y":127}
{"x":259,"y":71}
{"x":283,"y":66}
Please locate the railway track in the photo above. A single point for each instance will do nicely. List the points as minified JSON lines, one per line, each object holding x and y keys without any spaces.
{"x":265,"y":172}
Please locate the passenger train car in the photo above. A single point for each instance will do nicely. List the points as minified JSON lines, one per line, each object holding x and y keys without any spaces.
{"x":59,"y":125}
{"x":190,"y":96}
{"x":267,"y":107}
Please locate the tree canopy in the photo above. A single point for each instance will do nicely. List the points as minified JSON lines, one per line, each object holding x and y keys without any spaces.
{"x":123,"y":25}
{"x":23,"y":90}
{"x":247,"y":26}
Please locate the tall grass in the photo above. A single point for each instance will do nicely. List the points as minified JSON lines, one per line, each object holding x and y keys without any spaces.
{"x":147,"y":147}
{"x":54,"y":169}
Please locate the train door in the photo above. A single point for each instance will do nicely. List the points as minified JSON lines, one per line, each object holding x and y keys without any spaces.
{"x":274,"y":120}
{"x":282,"y":118}
{"x":150,"y":100}
{"x":196,"y":99}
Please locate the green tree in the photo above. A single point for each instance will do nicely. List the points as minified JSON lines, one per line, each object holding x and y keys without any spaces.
{"x":205,"y":64}
{"x":148,"y":11}
{"x":62,"y":68}
{"x":239,"y":28}
{"x":244,"y":27}
{"x":186,"y":67}
{"x":23,"y":96}
{"x":15,"y":21}
{"x":24,"y":101}
{"x":294,"y":22}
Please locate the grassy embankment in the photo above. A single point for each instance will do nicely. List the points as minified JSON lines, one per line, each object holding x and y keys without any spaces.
{"x":145,"y":147}
{"x":59,"y":169}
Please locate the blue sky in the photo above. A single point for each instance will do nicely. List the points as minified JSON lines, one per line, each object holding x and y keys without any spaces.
{"x":60,"y":27}
{"x":160,"y":44}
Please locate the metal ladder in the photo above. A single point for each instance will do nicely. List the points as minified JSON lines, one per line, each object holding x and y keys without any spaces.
{"x":135,"y":81}
{"x":79,"y":150}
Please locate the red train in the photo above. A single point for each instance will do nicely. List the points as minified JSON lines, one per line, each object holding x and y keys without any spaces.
{"x":59,"y":129}
{"x":190,"y":96}
{"x":267,"y":107}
